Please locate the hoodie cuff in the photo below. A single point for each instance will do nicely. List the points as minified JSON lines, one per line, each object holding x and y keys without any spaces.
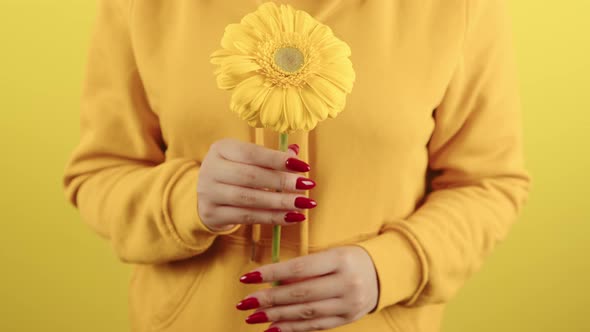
{"x":400,"y":273}
{"x":192,"y":233}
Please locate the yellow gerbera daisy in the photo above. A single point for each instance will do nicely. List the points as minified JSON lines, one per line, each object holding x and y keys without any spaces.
{"x":287,"y":70}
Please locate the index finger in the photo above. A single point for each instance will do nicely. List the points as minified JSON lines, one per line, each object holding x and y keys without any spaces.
{"x":254,"y":154}
{"x":303,"y":267}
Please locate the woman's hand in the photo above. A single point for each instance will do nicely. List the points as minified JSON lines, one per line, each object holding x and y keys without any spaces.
{"x":234,"y":182}
{"x":319,"y":291}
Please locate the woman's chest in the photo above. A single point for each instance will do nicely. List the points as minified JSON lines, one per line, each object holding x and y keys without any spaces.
{"x":403,"y":54}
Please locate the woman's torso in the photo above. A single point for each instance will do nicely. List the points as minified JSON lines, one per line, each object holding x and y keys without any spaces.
{"x":369,"y":162}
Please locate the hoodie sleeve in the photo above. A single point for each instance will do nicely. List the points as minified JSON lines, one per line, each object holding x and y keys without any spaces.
{"x":118,"y":176}
{"x":479,"y":182}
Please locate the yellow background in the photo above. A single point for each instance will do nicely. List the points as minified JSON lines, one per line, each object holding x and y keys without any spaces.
{"x":56,"y":275}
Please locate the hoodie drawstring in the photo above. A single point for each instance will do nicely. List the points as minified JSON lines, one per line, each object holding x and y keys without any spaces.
{"x":303,"y":226}
{"x":256,"y":227}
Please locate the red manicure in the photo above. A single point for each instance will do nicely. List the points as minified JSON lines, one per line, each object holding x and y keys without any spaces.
{"x":294,"y":217}
{"x":273,"y":329}
{"x":297,"y":165}
{"x":305,"y":183}
{"x":249,"y":303}
{"x":251,"y":277}
{"x":305,"y":203}
{"x":295,"y":148}
{"x":257,"y":317}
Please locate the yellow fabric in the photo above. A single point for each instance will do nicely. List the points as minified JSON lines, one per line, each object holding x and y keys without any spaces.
{"x":423,"y":169}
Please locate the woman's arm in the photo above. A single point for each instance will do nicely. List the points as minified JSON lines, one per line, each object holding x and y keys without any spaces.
{"x":480,"y":183}
{"x":117,"y":176}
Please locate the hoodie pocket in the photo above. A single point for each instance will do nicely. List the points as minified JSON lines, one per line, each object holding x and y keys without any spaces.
{"x":158,"y":292}
{"x":391,"y":322}
{"x":208,"y":302}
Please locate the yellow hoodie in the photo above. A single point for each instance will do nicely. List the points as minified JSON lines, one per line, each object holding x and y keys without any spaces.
{"x":424,"y":168}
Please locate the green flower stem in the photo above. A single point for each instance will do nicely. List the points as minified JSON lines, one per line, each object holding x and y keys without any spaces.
{"x":276,"y":229}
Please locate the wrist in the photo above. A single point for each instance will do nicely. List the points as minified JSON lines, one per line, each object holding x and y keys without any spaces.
{"x":398,"y":267}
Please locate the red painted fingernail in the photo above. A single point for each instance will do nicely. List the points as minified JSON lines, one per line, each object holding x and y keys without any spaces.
{"x":294,"y":217}
{"x":249,"y":303}
{"x":273,"y":329}
{"x":305,"y":183}
{"x":257,"y":317}
{"x":251,"y":277}
{"x":297,"y":165}
{"x":295,"y":148}
{"x":305,"y":203}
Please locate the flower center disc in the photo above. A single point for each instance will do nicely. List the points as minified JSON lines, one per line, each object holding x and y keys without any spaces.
{"x":289,"y":59}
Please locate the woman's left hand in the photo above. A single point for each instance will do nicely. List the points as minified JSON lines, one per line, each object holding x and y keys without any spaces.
{"x":317,"y":292}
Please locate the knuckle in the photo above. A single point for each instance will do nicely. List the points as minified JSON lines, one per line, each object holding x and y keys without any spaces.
{"x":248,"y":218}
{"x":249,"y":176}
{"x":206,"y":212}
{"x":297,"y":267}
{"x":315,"y":326}
{"x":272,"y":273}
{"x":221,"y":144}
{"x":215,"y":146}
{"x":283,"y":182}
{"x":268,"y":298}
{"x":355,"y":284}
{"x":286,"y":202}
{"x":351,"y":317}
{"x":249,"y":154}
{"x":356,"y":304}
{"x":275,"y":315}
{"x":345,"y":259}
{"x":244,"y":196}
{"x":307,"y":312}
{"x":300,"y":293}
{"x":276,"y":218}
{"x":205,"y":183}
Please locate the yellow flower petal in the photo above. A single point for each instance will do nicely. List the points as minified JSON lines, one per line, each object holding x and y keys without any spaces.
{"x":219,"y":56}
{"x":227,"y":82}
{"x":261,"y":96}
{"x":303,"y":22}
{"x":334,"y":51}
{"x":255,"y":22}
{"x":272,"y":108}
{"x":287,"y":18}
{"x":320,"y":34}
{"x":295,"y":113}
{"x":243,"y":35}
{"x":340,"y":74}
{"x":329,"y":93}
{"x":239,"y":68}
{"x":269,"y":14}
{"x":313,"y":103}
{"x":245,"y":92}
{"x":282,"y":125}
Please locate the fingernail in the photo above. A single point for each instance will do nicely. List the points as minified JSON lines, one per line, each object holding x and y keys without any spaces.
{"x":273,"y":329}
{"x":251,"y":277}
{"x":305,"y":183}
{"x":297,"y":165}
{"x":294,"y":217}
{"x":257,"y":317}
{"x":305,"y":203}
{"x":295,"y":148}
{"x":249,"y":303}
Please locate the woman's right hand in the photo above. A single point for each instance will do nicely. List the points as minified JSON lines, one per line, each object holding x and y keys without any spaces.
{"x":238,"y":183}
